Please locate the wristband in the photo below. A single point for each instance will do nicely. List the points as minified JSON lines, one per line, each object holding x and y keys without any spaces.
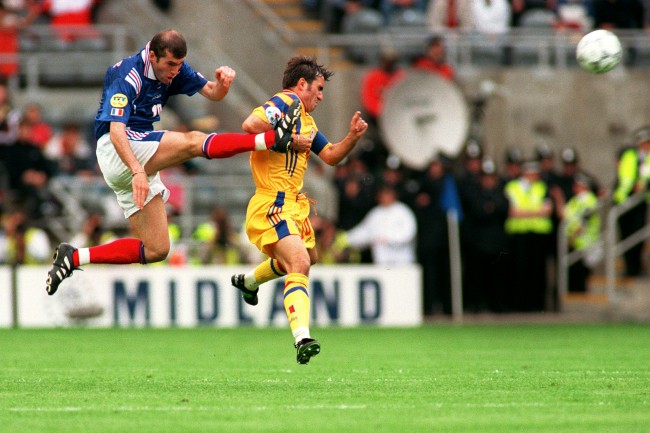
{"x":137,"y":172}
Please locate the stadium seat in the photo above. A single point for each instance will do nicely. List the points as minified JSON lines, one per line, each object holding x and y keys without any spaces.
{"x":408,"y":18}
{"x":365,"y":21}
{"x":535,"y":22}
{"x":538,"y":18}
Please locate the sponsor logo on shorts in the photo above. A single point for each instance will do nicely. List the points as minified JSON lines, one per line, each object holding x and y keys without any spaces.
{"x":119,"y":100}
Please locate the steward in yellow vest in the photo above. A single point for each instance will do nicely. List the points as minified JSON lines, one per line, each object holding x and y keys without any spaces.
{"x":633,"y":176}
{"x":582,"y":230}
{"x":529,"y":228}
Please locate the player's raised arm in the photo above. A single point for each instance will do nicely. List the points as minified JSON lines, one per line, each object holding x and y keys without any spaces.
{"x":338,"y":151}
{"x":218,"y":89}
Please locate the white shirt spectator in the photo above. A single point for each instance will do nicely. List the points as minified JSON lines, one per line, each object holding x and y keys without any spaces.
{"x":491,"y":16}
{"x":389,"y":229}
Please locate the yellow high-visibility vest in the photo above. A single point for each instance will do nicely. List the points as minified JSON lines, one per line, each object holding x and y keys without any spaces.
{"x":629,"y":172}
{"x":530,"y":199}
{"x":583,"y":223}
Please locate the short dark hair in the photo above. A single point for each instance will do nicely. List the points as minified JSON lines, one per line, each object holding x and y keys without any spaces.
{"x":303,"y":67}
{"x":169,"y":40}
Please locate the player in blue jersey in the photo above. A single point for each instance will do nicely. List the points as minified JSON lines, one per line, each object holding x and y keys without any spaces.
{"x":131,"y":154}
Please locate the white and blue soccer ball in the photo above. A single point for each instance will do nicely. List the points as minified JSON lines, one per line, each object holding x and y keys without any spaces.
{"x":599,"y":51}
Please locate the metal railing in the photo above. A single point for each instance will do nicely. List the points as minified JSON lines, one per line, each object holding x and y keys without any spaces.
{"x":612,"y":246}
{"x":200,"y":194}
{"x":546,"y":49}
{"x":566,"y":258}
{"x":537,"y":47}
{"x":45,"y":57}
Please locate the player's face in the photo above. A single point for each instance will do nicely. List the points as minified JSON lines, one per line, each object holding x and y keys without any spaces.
{"x":313,"y":94}
{"x":166,"y":67}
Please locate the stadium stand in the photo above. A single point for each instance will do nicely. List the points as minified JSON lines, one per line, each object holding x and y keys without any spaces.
{"x":280,"y":30}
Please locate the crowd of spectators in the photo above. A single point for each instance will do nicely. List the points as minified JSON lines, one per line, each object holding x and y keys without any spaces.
{"x":382,"y":214}
{"x":486,"y":22}
{"x":508,"y":225}
{"x":488,"y":16}
{"x":72,"y":23}
{"x":375,"y":211}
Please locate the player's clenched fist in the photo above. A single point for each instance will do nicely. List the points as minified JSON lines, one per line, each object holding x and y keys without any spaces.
{"x":225,"y":75}
{"x":357,"y":125}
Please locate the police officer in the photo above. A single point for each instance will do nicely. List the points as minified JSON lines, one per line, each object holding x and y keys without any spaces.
{"x":582,"y":229}
{"x":485,"y":259}
{"x":432,"y":243}
{"x":514,"y":159}
{"x":570,"y":170}
{"x":529,"y":227}
{"x":633,"y":174}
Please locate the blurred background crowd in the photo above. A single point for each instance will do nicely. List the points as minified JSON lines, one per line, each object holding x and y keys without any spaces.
{"x":371,"y":208}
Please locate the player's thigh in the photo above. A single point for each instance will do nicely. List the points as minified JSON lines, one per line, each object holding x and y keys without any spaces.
{"x":175,"y":148}
{"x":149,"y":225}
{"x":290,"y":251}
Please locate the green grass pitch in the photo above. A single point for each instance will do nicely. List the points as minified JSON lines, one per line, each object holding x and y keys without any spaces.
{"x":437,"y":378}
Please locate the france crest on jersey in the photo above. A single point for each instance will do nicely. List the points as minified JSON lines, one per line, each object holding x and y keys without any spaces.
{"x":132,"y":95}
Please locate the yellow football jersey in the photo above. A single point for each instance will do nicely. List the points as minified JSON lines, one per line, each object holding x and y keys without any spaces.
{"x":273,"y":171}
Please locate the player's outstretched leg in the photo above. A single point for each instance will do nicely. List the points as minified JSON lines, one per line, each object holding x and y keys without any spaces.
{"x":306,"y":348}
{"x":284,"y":128}
{"x":62,"y":267}
{"x":229,"y":144}
{"x":248,"y":283}
{"x":250,"y":296}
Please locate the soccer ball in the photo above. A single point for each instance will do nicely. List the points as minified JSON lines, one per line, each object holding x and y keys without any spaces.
{"x":599,"y":51}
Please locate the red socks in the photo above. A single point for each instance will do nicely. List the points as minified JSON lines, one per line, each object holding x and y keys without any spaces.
{"x":121,"y":251}
{"x":227,"y":145}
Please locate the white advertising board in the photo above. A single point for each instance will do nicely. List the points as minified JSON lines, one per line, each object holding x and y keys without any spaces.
{"x":6,"y":298}
{"x":164,"y":296}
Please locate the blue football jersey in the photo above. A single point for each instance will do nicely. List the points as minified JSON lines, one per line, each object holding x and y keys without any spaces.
{"x":132,"y":95}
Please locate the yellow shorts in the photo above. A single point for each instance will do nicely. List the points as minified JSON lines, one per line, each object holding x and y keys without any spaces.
{"x":272,"y":215}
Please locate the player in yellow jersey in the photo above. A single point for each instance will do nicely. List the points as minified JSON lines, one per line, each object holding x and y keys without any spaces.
{"x":277,"y":219}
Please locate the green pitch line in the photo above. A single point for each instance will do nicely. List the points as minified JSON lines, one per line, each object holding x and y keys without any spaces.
{"x":442,"y":378}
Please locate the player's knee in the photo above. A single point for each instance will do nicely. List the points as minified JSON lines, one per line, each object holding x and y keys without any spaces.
{"x":157,"y":253}
{"x":195,"y":141}
{"x":302,"y":264}
{"x":192,"y":144}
